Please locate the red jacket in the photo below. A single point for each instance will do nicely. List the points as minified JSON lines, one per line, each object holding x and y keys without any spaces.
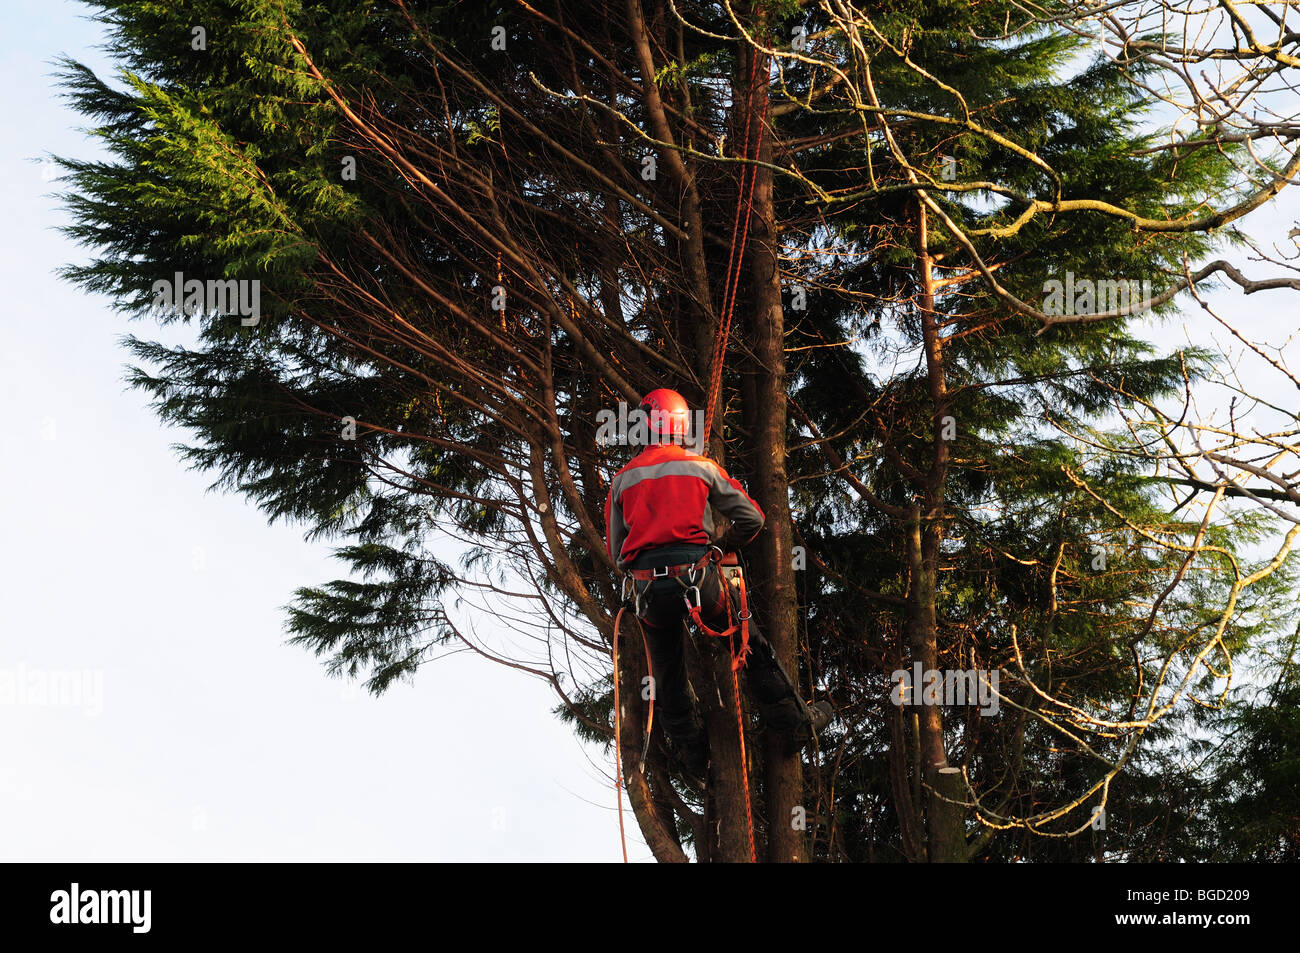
{"x":662,"y":498}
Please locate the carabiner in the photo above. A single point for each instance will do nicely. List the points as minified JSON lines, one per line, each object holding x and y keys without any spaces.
{"x":687,"y":596}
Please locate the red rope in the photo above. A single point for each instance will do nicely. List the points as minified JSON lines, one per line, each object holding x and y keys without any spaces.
{"x":618,"y":739}
{"x":650,"y":717}
{"x":735,"y":260}
{"x":736,"y":255}
{"x":744,"y":758}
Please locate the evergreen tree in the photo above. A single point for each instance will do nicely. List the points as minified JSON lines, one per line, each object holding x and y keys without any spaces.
{"x":475,"y":227}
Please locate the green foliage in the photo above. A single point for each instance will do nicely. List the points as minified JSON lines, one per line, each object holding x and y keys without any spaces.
{"x":227,"y":163}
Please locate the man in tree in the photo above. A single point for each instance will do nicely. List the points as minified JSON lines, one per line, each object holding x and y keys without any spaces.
{"x":660,"y":531}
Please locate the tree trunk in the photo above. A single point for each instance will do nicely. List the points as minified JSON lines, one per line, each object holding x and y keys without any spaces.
{"x":774,"y":588}
{"x":945,"y":827}
{"x":725,"y":822}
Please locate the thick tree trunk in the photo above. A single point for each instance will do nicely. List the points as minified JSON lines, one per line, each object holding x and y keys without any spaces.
{"x":945,"y":827}
{"x":774,"y":582}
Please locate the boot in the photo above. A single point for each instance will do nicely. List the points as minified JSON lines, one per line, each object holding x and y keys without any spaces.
{"x":795,"y":723}
{"x":822,"y":713}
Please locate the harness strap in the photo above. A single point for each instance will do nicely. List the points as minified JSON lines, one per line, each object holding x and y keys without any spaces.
{"x":736,"y":621}
{"x":672,"y":572}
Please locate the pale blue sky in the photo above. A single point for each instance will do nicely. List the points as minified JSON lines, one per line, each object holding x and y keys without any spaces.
{"x":215,"y":740}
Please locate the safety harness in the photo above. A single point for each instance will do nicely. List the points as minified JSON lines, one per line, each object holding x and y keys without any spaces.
{"x":689,"y":576}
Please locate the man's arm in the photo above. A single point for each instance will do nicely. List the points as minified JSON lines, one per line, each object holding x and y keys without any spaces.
{"x":615,"y":528}
{"x":734,"y":503}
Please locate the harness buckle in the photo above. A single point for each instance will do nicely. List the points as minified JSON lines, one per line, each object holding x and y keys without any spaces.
{"x":658,"y":574}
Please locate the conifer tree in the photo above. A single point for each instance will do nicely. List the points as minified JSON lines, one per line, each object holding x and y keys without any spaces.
{"x":475,"y":227}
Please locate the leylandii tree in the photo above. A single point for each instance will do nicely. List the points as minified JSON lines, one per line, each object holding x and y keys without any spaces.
{"x":475,"y":228}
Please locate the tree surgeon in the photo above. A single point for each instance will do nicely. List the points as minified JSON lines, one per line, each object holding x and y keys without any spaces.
{"x":660,"y":532}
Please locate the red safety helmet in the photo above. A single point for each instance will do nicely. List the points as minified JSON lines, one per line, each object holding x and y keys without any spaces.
{"x":668,"y":412}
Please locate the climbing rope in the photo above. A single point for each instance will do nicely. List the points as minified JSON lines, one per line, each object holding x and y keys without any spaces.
{"x":618,"y":725}
{"x":735,"y":259}
{"x":744,"y":758}
{"x":736,"y":254}
{"x":618,"y":738}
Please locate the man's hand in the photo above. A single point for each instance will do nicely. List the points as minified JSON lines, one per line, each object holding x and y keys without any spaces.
{"x":728,"y":542}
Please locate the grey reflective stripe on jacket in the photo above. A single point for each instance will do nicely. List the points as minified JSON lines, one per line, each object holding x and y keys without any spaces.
{"x":616,"y":530}
{"x":746,"y":518}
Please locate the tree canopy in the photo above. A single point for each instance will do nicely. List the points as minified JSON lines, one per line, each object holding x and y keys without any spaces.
{"x":474,"y":227}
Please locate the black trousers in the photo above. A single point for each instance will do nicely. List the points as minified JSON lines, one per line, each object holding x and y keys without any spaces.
{"x":664,"y":619}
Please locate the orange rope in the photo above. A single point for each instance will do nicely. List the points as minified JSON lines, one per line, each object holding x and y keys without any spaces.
{"x":501,"y":284}
{"x":744,"y":758}
{"x":735,"y":682}
{"x":650,"y":718}
{"x":618,"y":739}
{"x":735,"y":260}
{"x":736,"y":255}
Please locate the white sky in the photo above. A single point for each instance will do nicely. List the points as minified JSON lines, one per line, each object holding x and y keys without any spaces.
{"x":214,"y":739}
